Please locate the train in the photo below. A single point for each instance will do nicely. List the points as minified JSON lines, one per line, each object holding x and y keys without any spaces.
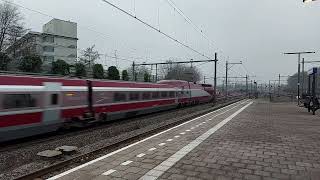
{"x":34,"y":105}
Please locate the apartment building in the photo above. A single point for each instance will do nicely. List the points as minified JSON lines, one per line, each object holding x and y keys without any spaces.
{"x":58,"y":40}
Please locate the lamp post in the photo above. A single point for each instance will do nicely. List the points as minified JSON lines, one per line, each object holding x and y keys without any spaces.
{"x":299,"y":57}
{"x":307,"y":1}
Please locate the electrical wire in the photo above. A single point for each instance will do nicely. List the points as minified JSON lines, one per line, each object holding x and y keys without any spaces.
{"x":157,"y":30}
{"x":187,"y":19}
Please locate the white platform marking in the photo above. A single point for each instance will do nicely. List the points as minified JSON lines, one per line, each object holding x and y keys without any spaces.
{"x":182,"y":133}
{"x":109,"y":172}
{"x":162,"y":144}
{"x":126,"y":163}
{"x":169,"y":140}
{"x":140,"y":155}
{"x":192,"y":128}
{"x":152,"y":149}
{"x":176,"y":136}
{"x":188,"y":130}
{"x":167,"y":164}
{"x":146,"y":139}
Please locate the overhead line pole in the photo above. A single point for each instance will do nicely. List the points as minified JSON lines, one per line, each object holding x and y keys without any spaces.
{"x":178,"y":62}
{"x":247,"y":86}
{"x":215,"y":77}
{"x":279,"y":85}
{"x":227,"y":69}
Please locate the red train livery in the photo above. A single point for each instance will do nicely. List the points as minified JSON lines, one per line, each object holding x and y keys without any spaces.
{"x":32,"y":105}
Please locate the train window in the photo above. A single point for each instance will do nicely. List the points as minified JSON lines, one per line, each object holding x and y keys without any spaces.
{"x":164,"y":94}
{"x":54,"y":99}
{"x":155,"y":95}
{"x":146,"y":95}
{"x":14,"y":101}
{"x":134,"y":96}
{"x":172,"y":94}
{"x":119,"y":97}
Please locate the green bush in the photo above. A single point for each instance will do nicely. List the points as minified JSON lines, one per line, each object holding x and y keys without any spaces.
{"x":31,"y":64}
{"x":60,"y":67}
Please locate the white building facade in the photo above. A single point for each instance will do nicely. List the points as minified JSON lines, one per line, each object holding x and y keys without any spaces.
{"x":58,"y":41}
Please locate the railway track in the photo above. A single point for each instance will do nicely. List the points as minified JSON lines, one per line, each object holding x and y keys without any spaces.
{"x":20,"y":143}
{"x":82,"y":158}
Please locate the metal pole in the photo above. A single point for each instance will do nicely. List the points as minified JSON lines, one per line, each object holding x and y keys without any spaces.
{"x":302,"y":83}
{"x":156,"y":72}
{"x":279,"y":85}
{"x":251,"y":87}
{"x":204,"y":79}
{"x":299,"y":56}
{"x":270,"y":90}
{"x":314,"y":91}
{"x":226,"y":80}
{"x":247,"y":87}
{"x":309,"y":85}
{"x":215,"y":77}
{"x":133,"y":72}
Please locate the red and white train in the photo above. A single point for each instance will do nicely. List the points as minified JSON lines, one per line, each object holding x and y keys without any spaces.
{"x":32,"y":105}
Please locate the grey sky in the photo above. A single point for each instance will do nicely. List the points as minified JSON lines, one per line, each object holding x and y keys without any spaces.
{"x":257,"y":32}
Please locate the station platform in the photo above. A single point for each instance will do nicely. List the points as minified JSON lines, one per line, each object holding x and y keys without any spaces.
{"x":246,"y":140}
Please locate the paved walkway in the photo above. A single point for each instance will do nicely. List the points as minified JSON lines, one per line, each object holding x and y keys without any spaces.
{"x":247,"y":140}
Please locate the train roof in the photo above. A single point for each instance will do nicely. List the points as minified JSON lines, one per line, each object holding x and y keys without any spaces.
{"x":32,"y":80}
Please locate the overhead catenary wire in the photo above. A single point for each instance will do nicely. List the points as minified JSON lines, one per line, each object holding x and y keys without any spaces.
{"x":134,"y":16}
{"x":187,"y":19}
{"x":157,"y":30}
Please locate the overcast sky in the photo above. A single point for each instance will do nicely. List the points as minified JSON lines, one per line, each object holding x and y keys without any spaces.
{"x":256,"y":32}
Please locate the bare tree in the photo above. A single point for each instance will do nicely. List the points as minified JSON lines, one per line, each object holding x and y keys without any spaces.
{"x":11,"y":26}
{"x":89,"y":56}
{"x":181,"y":72}
{"x":15,"y":33}
{"x":140,"y":73}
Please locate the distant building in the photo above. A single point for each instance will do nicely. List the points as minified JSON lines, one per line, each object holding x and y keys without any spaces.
{"x":58,"y":40}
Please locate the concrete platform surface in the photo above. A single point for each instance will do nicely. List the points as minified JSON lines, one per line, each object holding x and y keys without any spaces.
{"x":246,"y":140}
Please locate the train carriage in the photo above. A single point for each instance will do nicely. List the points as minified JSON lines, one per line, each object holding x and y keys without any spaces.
{"x":32,"y":105}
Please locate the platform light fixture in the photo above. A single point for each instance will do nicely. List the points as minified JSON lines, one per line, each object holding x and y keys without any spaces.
{"x":307,"y":1}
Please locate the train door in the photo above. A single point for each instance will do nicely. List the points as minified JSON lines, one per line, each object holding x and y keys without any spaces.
{"x":189,"y":93}
{"x":52,"y":102}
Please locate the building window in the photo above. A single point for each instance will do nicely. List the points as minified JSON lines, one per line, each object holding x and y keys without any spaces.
{"x":14,"y":101}
{"x":72,"y":56}
{"x":48,"y":39}
{"x":48,"y":58}
{"x":48,"y":48}
{"x":72,"y":47}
